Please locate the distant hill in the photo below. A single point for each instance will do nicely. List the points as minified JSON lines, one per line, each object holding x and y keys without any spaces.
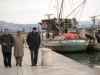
{"x":88,"y":22}
{"x":14,"y":27}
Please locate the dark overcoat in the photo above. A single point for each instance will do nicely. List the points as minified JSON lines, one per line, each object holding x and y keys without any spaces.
{"x":33,"y":40}
{"x":7,"y":39}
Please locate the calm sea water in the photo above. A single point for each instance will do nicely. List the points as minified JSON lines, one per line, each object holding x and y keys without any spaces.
{"x":89,"y":57}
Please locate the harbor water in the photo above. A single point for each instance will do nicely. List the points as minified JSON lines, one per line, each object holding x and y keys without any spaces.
{"x":89,"y":57}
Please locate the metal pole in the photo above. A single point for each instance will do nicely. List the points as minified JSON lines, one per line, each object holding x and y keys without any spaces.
{"x":57,"y":12}
{"x":41,"y":33}
{"x":38,"y":27}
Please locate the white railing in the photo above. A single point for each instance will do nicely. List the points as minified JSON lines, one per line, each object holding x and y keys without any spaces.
{"x":87,"y":26}
{"x":83,"y":26}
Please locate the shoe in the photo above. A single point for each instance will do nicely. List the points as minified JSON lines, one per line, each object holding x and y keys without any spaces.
{"x":20,"y":65}
{"x":32,"y":65}
{"x":35,"y":65}
{"x":10,"y":66}
{"x":16,"y":64}
{"x":6,"y":66}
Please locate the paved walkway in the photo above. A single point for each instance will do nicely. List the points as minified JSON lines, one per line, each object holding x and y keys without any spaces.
{"x":61,"y":66}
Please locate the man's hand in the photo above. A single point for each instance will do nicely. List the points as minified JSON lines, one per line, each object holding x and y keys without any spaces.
{"x":4,"y":44}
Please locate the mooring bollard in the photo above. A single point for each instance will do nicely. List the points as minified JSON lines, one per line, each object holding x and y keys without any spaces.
{"x":97,"y":70}
{"x":46,"y":59}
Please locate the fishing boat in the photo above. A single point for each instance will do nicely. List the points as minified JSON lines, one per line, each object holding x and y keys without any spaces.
{"x":61,"y":34}
{"x":93,"y":33}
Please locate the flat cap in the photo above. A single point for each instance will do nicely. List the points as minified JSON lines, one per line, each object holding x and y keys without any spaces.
{"x":34,"y":28}
{"x":18,"y":31}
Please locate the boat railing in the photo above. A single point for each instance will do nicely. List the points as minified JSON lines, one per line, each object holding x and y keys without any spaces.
{"x":84,"y":26}
{"x":71,"y":29}
{"x":87,"y":26}
{"x":71,"y":40}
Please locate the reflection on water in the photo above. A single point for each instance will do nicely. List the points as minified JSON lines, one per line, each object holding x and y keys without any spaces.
{"x":88,"y":57}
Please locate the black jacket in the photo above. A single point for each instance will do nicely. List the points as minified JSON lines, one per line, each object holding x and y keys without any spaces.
{"x":33,"y":40}
{"x":7,"y":39}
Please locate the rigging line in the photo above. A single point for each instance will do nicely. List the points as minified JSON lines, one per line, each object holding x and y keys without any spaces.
{"x":73,"y":6}
{"x":69,"y":3}
{"x":49,"y":6}
{"x":97,"y":9}
{"x":78,"y":11}
{"x":54,"y":11}
{"x":76,"y":8}
{"x":59,"y":3}
{"x":62,"y":8}
{"x":81,"y":11}
{"x":66,"y":8}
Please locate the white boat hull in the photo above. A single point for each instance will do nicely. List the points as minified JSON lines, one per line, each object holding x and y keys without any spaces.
{"x":67,"y":45}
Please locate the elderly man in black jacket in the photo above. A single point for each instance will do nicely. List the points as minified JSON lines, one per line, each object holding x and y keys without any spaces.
{"x":33,"y":41}
{"x":7,"y":42}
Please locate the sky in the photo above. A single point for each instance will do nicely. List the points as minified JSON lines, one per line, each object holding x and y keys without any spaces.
{"x":33,"y":11}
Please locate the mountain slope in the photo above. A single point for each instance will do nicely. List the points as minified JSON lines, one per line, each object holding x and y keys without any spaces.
{"x":14,"y":27}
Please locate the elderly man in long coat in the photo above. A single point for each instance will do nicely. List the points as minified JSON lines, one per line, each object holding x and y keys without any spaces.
{"x":18,"y":48}
{"x":33,"y":40}
{"x":7,"y":42}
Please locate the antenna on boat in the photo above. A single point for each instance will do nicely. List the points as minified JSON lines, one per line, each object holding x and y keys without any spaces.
{"x":93,"y":19}
{"x":48,"y":15}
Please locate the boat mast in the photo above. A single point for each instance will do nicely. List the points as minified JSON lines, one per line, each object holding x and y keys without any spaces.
{"x":94,"y":40}
{"x":57,"y":13}
{"x":57,"y":26}
{"x":93,"y":19}
{"x":61,"y":9}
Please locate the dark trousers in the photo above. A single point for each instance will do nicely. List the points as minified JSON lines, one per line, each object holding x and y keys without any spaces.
{"x":7,"y":58}
{"x":34,"y":56}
